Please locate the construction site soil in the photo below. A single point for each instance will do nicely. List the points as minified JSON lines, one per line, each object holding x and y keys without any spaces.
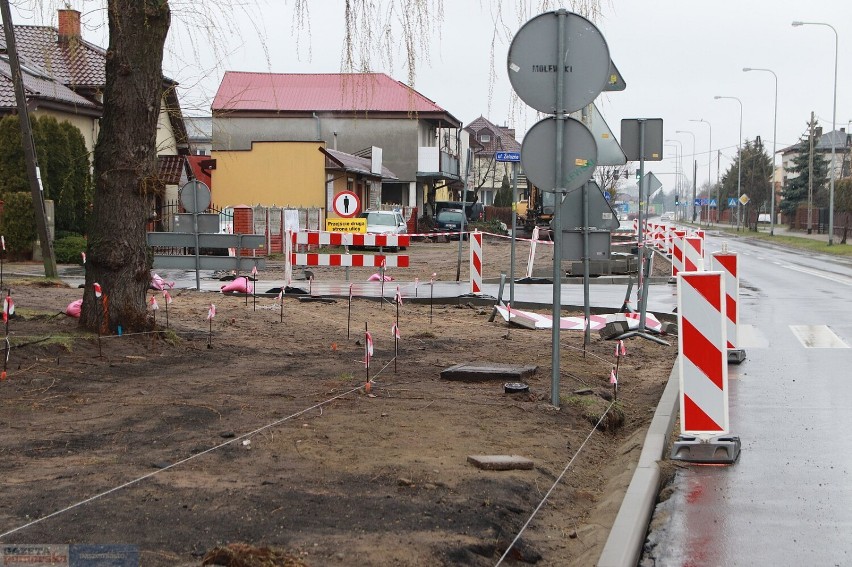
{"x":259,"y":429}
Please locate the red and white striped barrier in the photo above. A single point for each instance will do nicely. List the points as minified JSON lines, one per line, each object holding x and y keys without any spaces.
{"x":476,"y":262}
{"x":288,"y":259}
{"x":678,"y":243}
{"x":693,"y":254}
{"x":727,"y":263}
{"x":533,"y":242}
{"x":703,"y":355}
{"x":350,"y":260}
{"x":323,"y":238}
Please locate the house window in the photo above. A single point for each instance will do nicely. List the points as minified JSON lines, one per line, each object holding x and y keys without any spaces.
{"x":485,"y":138}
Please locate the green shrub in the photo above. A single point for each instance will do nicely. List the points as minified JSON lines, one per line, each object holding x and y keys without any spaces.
{"x":68,"y":249}
{"x":18,"y":225}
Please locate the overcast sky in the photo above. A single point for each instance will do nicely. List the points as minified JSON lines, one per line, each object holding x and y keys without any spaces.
{"x":675,"y":55}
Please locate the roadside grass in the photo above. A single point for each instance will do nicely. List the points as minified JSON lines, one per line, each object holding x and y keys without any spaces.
{"x":792,"y":241}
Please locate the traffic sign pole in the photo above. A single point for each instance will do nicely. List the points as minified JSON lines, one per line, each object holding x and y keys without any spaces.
{"x":561,"y":17}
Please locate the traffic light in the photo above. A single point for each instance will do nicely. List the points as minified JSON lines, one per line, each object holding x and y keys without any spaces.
{"x":676,"y":201}
{"x":637,"y":175}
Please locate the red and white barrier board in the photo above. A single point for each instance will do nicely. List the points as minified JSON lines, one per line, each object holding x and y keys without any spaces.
{"x":727,"y":263}
{"x":323,"y":238}
{"x":693,"y":254}
{"x":703,"y":360}
{"x":476,"y":262}
{"x":353,"y":260}
{"x":677,"y":251}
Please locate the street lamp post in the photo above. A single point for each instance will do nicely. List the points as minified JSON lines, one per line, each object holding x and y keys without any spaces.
{"x":739,"y":156}
{"x":774,"y":136}
{"x":679,"y":167}
{"x":709,"y":164}
{"x":833,"y":127}
{"x":694,"y":170}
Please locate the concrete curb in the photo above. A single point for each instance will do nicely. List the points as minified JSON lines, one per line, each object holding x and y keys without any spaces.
{"x":626,"y":538}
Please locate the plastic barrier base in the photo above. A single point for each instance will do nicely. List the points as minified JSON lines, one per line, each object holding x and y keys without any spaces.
{"x":720,"y":450}
{"x":736,"y":356}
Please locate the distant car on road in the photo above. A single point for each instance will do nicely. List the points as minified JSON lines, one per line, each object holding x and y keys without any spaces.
{"x":667,"y":216}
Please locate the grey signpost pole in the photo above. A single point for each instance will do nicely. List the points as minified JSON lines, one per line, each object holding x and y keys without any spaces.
{"x":587,"y":334}
{"x":464,"y":211}
{"x":195,"y":230}
{"x":561,"y":115}
{"x":514,"y":226}
{"x":643,"y":284}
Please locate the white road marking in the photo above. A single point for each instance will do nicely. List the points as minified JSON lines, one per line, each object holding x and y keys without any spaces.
{"x":834,"y":278}
{"x":817,"y":336}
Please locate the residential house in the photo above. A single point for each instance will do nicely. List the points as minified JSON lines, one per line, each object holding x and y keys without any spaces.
{"x":823,"y":142}
{"x":288,"y":117}
{"x":64,"y":77}
{"x":486,"y":139}
{"x":199,"y":132}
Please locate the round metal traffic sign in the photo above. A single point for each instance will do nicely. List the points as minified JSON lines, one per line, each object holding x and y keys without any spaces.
{"x":579,"y":154}
{"x":533,"y":60}
{"x":346,"y":204}
{"x":195,"y":196}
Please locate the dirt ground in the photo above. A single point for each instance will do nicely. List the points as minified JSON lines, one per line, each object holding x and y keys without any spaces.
{"x":270,"y":437}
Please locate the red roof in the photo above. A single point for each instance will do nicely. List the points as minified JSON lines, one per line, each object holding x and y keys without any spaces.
{"x":342,"y":92}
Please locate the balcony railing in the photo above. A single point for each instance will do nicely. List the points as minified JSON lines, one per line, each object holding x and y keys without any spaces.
{"x":432,"y":162}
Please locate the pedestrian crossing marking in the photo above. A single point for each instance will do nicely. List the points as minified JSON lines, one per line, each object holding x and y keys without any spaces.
{"x":817,"y":336}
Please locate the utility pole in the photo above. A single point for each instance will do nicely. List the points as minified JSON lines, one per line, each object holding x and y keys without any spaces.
{"x":810,"y":172}
{"x":27,"y":142}
{"x":718,"y":187}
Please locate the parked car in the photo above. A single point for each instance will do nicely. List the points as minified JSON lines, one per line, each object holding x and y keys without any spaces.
{"x":667,"y":216}
{"x":385,"y":222}
{"x":449,"y":220}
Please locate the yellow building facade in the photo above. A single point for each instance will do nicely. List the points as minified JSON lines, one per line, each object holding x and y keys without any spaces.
{"x":284,"y":174}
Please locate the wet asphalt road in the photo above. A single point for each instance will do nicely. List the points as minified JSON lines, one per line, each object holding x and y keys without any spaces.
{"x":788,"y":500}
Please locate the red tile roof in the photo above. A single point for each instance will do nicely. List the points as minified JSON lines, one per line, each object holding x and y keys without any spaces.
{"x":341,"y":92}
{"x":76,"y":63}
{"x":37,"y":85}
{"x":502,"y":138}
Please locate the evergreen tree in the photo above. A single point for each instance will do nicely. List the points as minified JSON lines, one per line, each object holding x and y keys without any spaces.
{"x":756,"y":177}
{"x":504,"y":194}
{"x":63,"y":163}
{"x":795,"y":190}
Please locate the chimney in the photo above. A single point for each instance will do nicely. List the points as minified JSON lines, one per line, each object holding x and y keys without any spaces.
{"x":69,"y":25}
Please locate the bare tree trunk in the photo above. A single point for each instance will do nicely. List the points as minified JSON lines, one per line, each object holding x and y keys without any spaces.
{"x":125,"y":164}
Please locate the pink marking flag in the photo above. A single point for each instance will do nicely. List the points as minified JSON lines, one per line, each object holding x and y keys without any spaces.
{"x":395,"y":331}
{"x":211,"y":312}
{"x":621,"y":350}
{"x":167,"y":297}
{"x":281,"y":296}
{"x":3,"y":243}
{"x":613,"y":378}
{"x":154,"y":305}
{"x":8,"y":308}
{"x":254,"y":271}
{"x":97,"y":288}
{"x":397,"y":298}
{"x":368,"y":348}
{"x":83,"y":254}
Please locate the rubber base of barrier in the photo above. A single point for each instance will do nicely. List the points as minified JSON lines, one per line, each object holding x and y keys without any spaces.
{"x":736,"y":356}
{"x":720,"y":450}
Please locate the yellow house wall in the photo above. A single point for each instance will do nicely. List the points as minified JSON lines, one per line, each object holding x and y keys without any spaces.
{"x":271,"y":173}
{"x":166,"y":143}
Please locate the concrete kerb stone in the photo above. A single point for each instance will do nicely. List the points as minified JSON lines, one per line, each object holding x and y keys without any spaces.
{"x":626,"y":539}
